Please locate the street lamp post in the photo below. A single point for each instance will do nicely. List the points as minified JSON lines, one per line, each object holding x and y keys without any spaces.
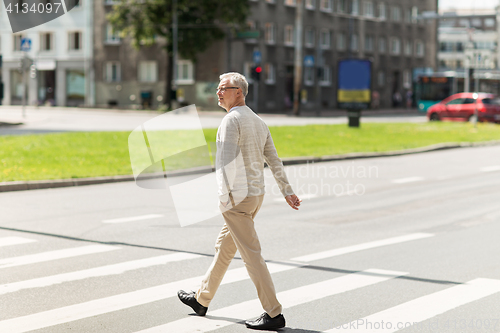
{"x":476,"y":115}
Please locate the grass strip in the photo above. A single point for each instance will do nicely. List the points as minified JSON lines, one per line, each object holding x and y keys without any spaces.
{"x":90,"y":154}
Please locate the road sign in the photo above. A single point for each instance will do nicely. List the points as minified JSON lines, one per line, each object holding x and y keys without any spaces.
{"x":25,"y":44}
{"x":309,"y":61}
{"x":257,"y":57}
{"x":479,"y":59}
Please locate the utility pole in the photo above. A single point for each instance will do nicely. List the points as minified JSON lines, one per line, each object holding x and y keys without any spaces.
{"x":24,"y":62}
{"x":175,"y":33}
{"x":320,"y":73}
{"x":299,"y":13}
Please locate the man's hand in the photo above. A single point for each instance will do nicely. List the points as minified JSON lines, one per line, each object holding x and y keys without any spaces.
{"x":293,"y":201}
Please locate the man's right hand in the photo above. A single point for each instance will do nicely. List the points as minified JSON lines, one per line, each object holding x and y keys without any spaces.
{"x":293,"y":201}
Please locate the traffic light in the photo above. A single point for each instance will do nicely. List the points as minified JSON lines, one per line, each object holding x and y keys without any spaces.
{"x":33,"y":71}
{"x":1,"y":91}
{"x":256,"y":70}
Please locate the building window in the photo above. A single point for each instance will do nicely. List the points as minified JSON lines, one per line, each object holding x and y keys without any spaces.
{"x":309,"y":36}
{"x":185,"y":72}
{"x":408,"y":48}
{"x":112,"y":71}
{"x":16,"y":85}
{"x":476,"y":23}
{"x":309,"y":75}
{"x":355,"y":7}
{"x":368,"y":9}
{"x":463,"y":23}
{"x":395,"y":46}
{"x":382,"y":45}
{"x":325,"y":77}
{"x":341,"y":41}
{"x":406,"y":79}
{"x":291,"y":3}
{"x":381,"y":78}
{"x":325,"y":39}
{"x":270,"y":73}
{"x":419,"y":48}
{"x":17,"y":41}
{"x":353,"y":45}
{"x":341,"y":6}
{"x":395,"y":13}
{"x":381,"y":11}
{"x":489,"y":22}
{"x":111,"y":36}
{"x":326,"y":5}
{"x":270,"y":33}
{"x":75,"y":41}
{"x":148,"y":71}
{"x":46,"y":41}
{"x":75,"y":85}
{"x":289,"y":35}
{"x":369,"y":43}
{"x":310,"y":4}
{"x":414,"y":14}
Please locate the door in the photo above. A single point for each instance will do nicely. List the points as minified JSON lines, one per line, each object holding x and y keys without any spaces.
{"x":468,"y":108}
{"x":453,"y":108}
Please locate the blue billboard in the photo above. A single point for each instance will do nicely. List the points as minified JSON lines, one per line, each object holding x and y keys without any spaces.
{"x":354,"y":84}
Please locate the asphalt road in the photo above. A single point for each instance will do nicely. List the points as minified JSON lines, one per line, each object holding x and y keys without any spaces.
{"x":378,"y":244}
{"x":47,"y":120}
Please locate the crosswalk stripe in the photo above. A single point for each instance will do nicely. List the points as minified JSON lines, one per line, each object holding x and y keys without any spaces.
{"x":423,"y":308}
{"x":133,"y":218}
{"x":490,"y":168}
{"x":54,"y":255}
{"x":407,"y":180}
{"x":363,"y":246}
{"x":95,"y":272}
{"x":289,"y":298}
{"x":7,"y":241}
{"x":119,"y":302}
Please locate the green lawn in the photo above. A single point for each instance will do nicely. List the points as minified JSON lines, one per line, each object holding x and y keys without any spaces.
{"x":75,"y":155}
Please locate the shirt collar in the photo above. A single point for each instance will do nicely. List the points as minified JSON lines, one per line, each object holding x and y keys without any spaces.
{"x":235,"y":107}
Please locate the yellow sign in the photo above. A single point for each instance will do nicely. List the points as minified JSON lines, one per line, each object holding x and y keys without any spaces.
{"x":359,"y":96}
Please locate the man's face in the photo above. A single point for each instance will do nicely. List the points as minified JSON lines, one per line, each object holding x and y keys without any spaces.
{"x":227,"y":94}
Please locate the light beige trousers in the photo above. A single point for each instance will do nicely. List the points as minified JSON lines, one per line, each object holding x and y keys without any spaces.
{"x":238,"y":233}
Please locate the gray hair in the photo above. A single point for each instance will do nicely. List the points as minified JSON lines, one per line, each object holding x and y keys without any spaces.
{"x":236,"y":79}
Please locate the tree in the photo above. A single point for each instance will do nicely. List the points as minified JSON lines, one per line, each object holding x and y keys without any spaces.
{"x":200,"y":23}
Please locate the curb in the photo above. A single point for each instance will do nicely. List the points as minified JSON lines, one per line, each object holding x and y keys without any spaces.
{"x":6,"y":123}
{"x":45,"y":184}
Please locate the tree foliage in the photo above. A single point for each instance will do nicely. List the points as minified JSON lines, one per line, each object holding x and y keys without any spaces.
{"x":200,"y":22}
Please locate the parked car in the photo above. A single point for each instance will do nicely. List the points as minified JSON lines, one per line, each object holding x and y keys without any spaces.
{"x":461,"y":107}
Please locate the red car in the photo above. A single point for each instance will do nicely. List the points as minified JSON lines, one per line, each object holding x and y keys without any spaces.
{"x":461,"y":107}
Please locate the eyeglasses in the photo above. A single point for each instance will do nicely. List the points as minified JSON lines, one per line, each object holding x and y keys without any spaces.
{"x":224,"y":89}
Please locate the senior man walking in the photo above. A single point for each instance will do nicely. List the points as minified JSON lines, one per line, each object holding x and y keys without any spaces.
{"x":243,"y":144}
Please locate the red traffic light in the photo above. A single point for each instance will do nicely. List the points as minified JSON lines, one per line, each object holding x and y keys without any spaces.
{"x":258,"y":69}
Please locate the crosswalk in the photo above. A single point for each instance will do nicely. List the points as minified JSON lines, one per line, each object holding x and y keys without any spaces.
{"x":395,"y":318}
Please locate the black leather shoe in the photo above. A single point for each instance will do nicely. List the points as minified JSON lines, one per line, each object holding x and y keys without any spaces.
{"x":266,"y":323}
{"x":190,"y":300}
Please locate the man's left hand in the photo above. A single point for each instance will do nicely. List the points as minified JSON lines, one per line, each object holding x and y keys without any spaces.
{"x":293,"y":201}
